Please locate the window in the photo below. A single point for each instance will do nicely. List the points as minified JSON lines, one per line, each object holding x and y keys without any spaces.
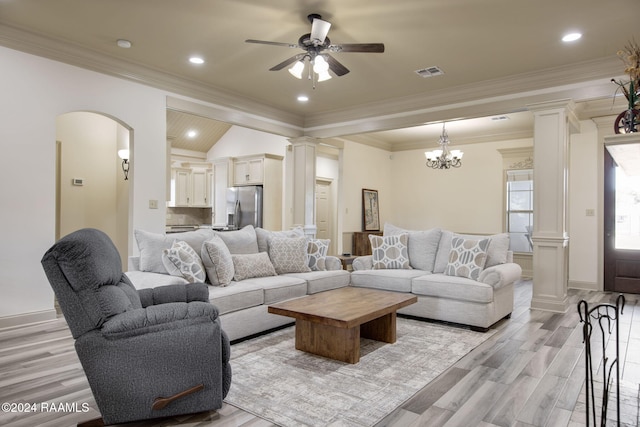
{"x":520,"y":209}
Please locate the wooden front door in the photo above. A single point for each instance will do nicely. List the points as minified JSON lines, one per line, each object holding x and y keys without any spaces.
{"x":621,"y":229}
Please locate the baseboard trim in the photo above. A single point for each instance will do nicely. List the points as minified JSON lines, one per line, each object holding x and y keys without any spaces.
{"x":26,"y":318}
{"x":586,"y":286}
{"x":550,"y":305}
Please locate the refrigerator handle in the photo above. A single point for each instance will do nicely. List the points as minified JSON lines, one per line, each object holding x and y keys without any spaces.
{"x":236,"y":215}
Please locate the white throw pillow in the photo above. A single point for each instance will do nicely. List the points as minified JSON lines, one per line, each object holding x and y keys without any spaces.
{"x":289,"y":254}
{"x":467,"y":257}
{"x":217,"y":262}
{"x":243,"y":241}
{"x":317,"y":253}
{"x":182,"y":261}
{"x":390,"y":252}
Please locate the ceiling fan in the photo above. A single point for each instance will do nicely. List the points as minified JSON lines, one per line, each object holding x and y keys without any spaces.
{"x":316,"y":46}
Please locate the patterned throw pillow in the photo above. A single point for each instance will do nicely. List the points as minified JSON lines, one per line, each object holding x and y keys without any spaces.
{"x":467,"y":257}
{"x":217,"y":262}
{"x":247,"y":266}
{"x":289,"y":254}
{"x":182,"y":261}
{"x":390,"y":252}
{"x":316,"y":253}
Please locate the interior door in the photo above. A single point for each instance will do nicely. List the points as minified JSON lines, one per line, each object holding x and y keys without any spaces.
{"x":621,"y":229}
{"x":323,"y":209}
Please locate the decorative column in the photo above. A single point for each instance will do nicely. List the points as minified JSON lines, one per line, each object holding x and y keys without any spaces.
{"x":553,"y":122}
{"x":303,"y":186}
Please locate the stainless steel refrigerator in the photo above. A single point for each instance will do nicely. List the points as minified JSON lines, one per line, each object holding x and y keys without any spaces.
{"x":244,"y":206}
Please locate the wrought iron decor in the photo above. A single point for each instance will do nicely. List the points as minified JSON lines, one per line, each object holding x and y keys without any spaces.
{"x":601,"y":315}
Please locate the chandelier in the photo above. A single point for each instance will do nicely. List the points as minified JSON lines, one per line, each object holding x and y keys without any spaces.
{"x":444,"y":158}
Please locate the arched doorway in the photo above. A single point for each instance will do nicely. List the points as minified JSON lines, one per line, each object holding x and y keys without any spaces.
{"x":91,"y":190}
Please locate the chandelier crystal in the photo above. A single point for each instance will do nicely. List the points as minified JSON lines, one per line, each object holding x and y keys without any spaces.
{"x":444,"y":158}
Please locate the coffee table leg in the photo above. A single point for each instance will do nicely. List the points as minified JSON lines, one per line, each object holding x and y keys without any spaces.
{"x":380,"y":329}
{"x":328,"y":341}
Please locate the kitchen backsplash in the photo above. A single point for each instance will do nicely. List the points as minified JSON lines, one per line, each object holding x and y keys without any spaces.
{"x":188,"y":216}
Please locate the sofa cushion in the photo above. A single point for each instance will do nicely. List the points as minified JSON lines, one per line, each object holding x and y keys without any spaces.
{"x":217,"y":261}
{"x":451,"y":287}
{"x":151,"y":246}
{"x":317,"y":253}
{"x":247,"y":266}
{"x":390,"y":252}
{"x":263,"y":236}
{"x":390,"y":280}
{"x":236,"y":296}
{"x":467,"y":257}
{"x":422,"y":245}
{"x":243,"y":241}
{"x":183,"y":261}
{"x":289,"y":254}
{"x":281,"y":288}
{"x":319,"y":281}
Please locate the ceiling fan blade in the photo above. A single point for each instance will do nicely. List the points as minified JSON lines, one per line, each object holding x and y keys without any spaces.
{"x":319,"y":30}
{"x":358,"y":47}
{"x":335,"y":66}
{"x":271,"y":43}
{"x":287,"y":62}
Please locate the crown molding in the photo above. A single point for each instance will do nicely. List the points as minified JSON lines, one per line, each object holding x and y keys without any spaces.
{"x":73,"y":54}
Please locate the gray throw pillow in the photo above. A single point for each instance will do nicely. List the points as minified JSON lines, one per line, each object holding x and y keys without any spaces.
{"x":217,"y":262}
{"x":247,"y":266}
{"x":289,"y":254}
{"x":317,"y":253}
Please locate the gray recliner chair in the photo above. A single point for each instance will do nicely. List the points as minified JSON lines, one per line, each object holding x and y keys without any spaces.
{"x":147,"y":353}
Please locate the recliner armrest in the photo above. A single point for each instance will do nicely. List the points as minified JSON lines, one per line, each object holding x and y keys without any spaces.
{"x":501,"y":275}
{"x":174,"y":293}
{"x":158,"y":317}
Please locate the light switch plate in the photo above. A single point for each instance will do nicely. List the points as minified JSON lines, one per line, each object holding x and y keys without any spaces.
{"x":153,"y":204}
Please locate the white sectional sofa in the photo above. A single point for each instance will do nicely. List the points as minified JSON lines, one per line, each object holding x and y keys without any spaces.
{"x":247,"y":270}
{"x":466,"y":279}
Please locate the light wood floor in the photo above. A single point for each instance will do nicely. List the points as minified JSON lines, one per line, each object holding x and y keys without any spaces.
{"x":530,"y":373}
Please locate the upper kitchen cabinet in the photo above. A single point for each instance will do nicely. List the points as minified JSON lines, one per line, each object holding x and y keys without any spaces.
{"x":255,"y":170}
{"x":191,"y":185}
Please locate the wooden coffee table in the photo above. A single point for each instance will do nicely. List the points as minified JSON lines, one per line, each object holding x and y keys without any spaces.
{"x":331,"y":323}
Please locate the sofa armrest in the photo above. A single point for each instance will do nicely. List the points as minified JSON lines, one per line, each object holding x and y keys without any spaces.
{"x":501,"y":275}
{"x":158,"y":317}
{"x":332,"y":263}
{"x":363,"y":263}
{"x":174,"y":293}
{"x":133,"y":263}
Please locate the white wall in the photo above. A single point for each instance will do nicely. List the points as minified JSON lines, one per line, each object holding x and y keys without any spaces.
{"x":35,"y":91}
{"x":240,"y":141}
{"x":583,"y":195}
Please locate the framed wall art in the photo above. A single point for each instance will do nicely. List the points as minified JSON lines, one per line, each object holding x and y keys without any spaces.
{"x":370,"y":210}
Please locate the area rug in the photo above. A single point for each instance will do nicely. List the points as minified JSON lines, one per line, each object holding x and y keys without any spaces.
{"x":274,"y":381}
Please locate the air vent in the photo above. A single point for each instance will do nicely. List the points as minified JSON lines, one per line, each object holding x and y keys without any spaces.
{"x":499,"y":118}
{"x":429,"y":72}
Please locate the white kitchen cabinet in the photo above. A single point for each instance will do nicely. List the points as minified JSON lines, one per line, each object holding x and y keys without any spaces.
{"x":248,"y":172}
{"x":191,"y":187}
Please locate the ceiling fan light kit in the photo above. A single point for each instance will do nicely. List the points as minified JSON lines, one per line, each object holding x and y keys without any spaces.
{"x":316,"y":44}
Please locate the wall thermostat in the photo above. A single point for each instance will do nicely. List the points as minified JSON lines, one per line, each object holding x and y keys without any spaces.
{"x":77,"y":181}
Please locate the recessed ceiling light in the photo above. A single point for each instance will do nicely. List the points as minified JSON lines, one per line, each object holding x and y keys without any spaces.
{"x":571,"y":37}
{"x":196,"y":60}
{"x":192,"y":134}
{"x":125,"y":44}
{"x":303,"y":98}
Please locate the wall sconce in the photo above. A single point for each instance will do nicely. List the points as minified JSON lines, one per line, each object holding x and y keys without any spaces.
{"x":124,"y":155}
